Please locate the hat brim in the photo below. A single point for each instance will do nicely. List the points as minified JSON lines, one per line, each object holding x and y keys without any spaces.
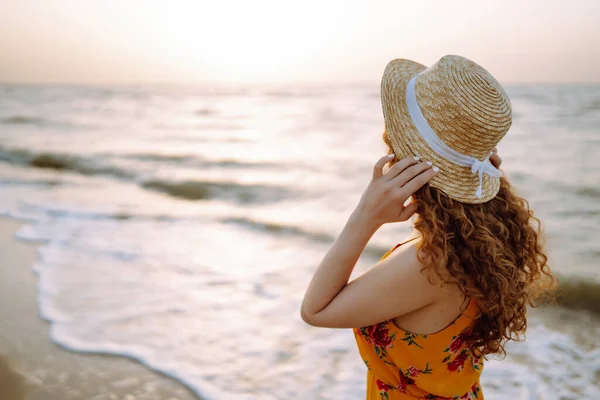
{"x":458,"y":182}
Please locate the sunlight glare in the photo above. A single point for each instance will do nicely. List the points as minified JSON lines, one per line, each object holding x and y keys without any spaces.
{"x":250,"y":43}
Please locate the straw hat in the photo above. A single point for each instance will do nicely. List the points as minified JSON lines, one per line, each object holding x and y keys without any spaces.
{"x":463,"y":105}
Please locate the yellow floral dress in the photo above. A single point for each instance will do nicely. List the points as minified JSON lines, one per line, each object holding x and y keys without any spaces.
{"x":405,"y":365}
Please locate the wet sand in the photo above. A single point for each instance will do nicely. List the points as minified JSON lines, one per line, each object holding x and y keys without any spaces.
{"x":34,"y":368}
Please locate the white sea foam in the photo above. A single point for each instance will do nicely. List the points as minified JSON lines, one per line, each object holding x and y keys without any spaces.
{"x":227,"y":323}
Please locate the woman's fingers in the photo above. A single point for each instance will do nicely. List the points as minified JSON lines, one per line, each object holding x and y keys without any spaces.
{"x":407,"y":212}
{"x":417,"y":182}
{"x":409,"y":173}
{"x":399,"y":167}
{"x":496,"y":160}
{"x":378,"y":168}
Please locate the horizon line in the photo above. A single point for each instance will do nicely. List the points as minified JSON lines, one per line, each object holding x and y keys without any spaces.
{"x":264,"y":83}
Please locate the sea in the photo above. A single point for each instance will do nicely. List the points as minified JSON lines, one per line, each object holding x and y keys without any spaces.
{"x":179,"y":225}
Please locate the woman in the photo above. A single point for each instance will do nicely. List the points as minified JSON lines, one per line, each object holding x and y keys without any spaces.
{"x":426,"y":316}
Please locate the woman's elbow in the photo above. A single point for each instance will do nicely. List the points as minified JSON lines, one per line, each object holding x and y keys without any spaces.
{"x":312,"y":318}
{"x":305,"y":317}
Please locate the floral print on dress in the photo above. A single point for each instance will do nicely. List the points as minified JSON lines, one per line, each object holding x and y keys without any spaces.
{"x":379,"y":337}
{"x":456,"y":362}
{"x":476,"y":363}
{"x":410,"y":363}
{"x":414,"y":371}
{"x":383,"y":389}
{"x":406,"y":379}
{"x":404,"y":382}
{"x":410,"y":338}
{"x":471,"y":394}
{"x":457,"y":342}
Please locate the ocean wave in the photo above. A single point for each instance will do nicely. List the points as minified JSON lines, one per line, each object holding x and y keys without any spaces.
{"x":75,"y":164}
{"x":195,"y":160}
{"x":22,"y":120}
{"x":38,"y":121}
{"x":92,"y":166}
{"x":28,"y":210}
{"x":579,"y":294}
{"x":91,"y":215}
{"x":189,"y":190}
{"x":584,"y":212}
{"x":61,"y":162}
{"x":279,"y":229}
{"x":590,"y":106}
{"x":177,"y":158}
{"x":572,"y":292}
{"x":589,"y":191}
{"x":373,"y":251}
{"x":205,"y":190}
{"x":30,"y":182}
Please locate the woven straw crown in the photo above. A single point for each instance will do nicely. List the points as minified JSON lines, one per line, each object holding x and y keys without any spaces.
{"x":464,"y":105}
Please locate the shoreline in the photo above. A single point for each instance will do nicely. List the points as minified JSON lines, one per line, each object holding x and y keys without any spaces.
{"x":32,"y":367}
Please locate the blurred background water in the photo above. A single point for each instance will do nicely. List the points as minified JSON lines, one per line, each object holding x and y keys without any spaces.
{"x":180,"y":225}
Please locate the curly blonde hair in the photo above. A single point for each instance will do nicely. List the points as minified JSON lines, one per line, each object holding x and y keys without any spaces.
{"x":493,"y":252}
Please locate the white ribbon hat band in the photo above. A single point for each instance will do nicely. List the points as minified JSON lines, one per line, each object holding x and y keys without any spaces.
{"x":432,"y":139}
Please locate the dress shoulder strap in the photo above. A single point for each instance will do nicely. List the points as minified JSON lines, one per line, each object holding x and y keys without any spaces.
{"x":398,"y":245}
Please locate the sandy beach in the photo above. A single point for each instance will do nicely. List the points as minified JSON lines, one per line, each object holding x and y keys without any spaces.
{"x":34,"y":368}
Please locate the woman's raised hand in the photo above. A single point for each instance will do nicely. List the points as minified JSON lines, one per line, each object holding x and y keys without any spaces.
{"x":384,"y":198}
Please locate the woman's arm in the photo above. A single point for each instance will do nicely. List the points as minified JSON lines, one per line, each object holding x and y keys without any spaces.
{"x":382,"y":202}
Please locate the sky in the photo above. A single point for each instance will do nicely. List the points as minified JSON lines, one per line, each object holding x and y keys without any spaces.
{"x":317,"y":41}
